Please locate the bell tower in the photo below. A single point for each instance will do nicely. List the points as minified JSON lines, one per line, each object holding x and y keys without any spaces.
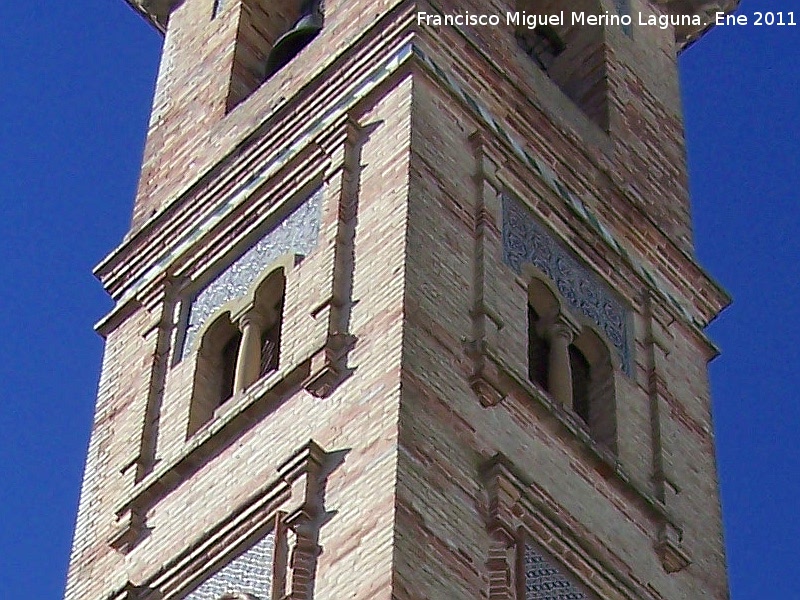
{"x":408,"y":309}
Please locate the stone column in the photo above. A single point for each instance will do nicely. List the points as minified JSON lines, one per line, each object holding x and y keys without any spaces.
{"x":559,"y":380}
{"x":248,"y":361}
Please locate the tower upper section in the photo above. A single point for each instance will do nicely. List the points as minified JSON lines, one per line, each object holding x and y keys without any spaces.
{"x":219,"y":82}
{"x":409,"y":309}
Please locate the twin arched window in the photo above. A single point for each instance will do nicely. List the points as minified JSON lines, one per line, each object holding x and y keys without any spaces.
{"x":238,"y":347}
{"x":571,"y":362}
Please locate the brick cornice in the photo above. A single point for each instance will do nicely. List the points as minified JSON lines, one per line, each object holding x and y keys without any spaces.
{"x":280,"y":140}
{"x":510,"y":149}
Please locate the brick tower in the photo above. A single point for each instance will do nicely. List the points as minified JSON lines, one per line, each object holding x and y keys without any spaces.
{"x":408,"y":311}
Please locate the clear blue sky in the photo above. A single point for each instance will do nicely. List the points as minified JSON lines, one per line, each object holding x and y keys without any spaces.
{"x":76,"y":84}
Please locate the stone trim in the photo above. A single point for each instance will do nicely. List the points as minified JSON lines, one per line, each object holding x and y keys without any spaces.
{"x":329,"y":367}
{"x":519,"y":510}
{"x":294,"y":500}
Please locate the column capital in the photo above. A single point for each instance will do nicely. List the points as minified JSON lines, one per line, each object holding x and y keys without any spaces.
{"x":248,"y":317}
{"x":561,"y":327}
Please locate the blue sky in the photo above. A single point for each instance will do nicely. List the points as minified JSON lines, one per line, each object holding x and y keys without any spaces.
{"x":76,"y":85}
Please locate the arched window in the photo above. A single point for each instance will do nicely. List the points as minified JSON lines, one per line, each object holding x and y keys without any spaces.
{"x":215,"y":370}
{"x":593,"y":392}
{"x":240,"y":346}
{"x":543,"y":307}
{"x":571,"y":363}
{"x":538,"y":349}
{"x":581,"y":382}
{"x":267,"y":311}
{"x":574,"y":56}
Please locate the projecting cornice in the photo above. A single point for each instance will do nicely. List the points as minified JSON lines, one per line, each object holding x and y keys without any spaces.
{"x":707,"y":10}
{"x":157,"y":13}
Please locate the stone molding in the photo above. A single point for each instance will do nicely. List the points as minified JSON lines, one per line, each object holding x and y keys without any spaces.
{"x":293,"y":500}
{"x":519,"y":510}
{"x":130,"y":528}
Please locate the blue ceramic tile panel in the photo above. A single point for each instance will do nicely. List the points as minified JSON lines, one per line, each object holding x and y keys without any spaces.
{"x":249,"y":573}
{"x":525,"y":240}
{"x":297,"y":233}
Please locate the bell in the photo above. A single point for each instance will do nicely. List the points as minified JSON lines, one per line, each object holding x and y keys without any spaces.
{"x":293,"y":41}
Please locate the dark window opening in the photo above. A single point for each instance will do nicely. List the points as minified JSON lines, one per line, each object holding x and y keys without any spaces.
{"x":289,"y":45}
{"x":538,"y":351}
{"x":581,"y":382}
{"x":542,"y":44}
{"x":270,"y":347}
{"x":219,"y":6}
{"x":230,"y":353}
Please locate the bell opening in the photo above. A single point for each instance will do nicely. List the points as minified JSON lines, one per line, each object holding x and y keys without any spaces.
{"x":291,"y":43}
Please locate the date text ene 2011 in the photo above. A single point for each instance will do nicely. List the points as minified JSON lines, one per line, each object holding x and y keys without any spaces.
{"x":757,"y":18}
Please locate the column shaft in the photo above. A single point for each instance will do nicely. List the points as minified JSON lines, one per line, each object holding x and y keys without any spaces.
{"x":559,"y":380}
{"x":248,"y":362}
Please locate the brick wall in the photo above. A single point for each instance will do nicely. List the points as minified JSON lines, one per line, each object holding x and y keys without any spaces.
{"x":401,"y":307}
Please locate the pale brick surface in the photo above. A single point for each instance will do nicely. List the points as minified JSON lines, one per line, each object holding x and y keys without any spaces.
{"x":408,"y":170}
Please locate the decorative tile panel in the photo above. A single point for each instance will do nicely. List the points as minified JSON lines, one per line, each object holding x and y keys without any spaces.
{"x":249,"y":573}
{"x":297,"y":233}
{"x":543,"y":581}
{"x":525,"y":240}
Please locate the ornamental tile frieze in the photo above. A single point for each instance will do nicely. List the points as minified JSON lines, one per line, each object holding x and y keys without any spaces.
{"x":525,"y":240}
{"x":543,"y":581}
{"x":297,"y":233}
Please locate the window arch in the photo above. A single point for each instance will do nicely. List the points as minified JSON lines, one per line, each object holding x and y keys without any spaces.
{"x":570,"y":361}
{"x":261,"y":324}
{"x":543,"y":307}
{"x":596,"y":405}
{"x":238,"y":347}
{"x":215,"y":369}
